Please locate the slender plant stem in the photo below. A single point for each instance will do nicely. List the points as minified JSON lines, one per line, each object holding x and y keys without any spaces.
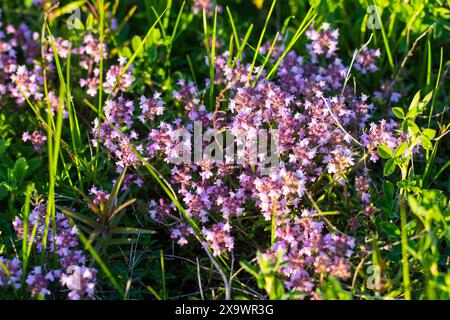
{"x":404,"y":237}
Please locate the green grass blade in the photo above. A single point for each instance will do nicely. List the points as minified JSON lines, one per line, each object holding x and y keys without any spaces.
{"x":26,"y":214}
{"x":436,"y":87}
{"x":385,"y":39}
{"x":233,"y":27}
{"x":261,"y":37}
{"x":266,"y":59}
{"x":244,"y":43}
{"x":212,"y":61}
{"x":163,"y":275}
{"x":307,"y":20}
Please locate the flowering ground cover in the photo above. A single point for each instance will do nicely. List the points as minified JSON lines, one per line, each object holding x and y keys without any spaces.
{"x":224,"y":149}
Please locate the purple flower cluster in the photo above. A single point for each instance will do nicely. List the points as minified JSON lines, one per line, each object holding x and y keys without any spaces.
{"x":62,"y":46}
{"x":366,"y":60}
{"x":22,"y":77}
{"x":90,"y":57}
{"x":308,"y":252}
{"x":219,"y":238}
{"x":118,"y":113}
{"x":321,"y":132}
{"x":362,"y":185}
{"x":130,"y":179}
{"x":36,"y":138}
{"x":38,"y":282}
{"x":117,"y":79}
{"x":100,"y":196}
{"x":381,"y":134}
{"x":14,"y":274}
{"x":28,"y":84}
{"x":65,"y":242}
{"x":324,"y":42}
{"x":150,"y":108}
{"x":207,"y":5}
{"x":81,"y":282}
{"x":318,"y":131}
{"x":19,"y":47}
{"x":65,"y":238}
{"x":387,"y":92}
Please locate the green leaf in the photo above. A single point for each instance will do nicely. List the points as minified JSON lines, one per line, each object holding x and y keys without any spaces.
{"x":429,"y":133}
{"x":155,"y":37}
{"x":136,"y":42}
{"x":401,"y":149}
{"x":7,"y":186}
{"x":384,"y":151}
{"x":388,"y":190}
{"x":114,"y":193}
{"x":412,"y":113}
{"x":121,"y":207}
{"x":402,"y":184}
{"x":398,"y":112}
{"x":415,"y":101}
{"x":427,"y":98}
{"x":126,"y":52}
{"x":121,"y":242}
{"x":78,"y":216}
{"x":19,"y":171}
{"x":28,"y":3}
{"x":250,"y":269}
{"x":405,"y":126}
{"x":426,"y":143}
{"x":90,"y":21}
{"x":413,"y":127}
{"x":390,"y":228}
{"x":389,"y":167}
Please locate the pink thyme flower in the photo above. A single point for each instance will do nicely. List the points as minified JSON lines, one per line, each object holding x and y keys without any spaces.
{"x":112,"y":81}
{"x":219,"y":239}
{"x":324,"y":42}
{"x":91,"y":83}
{"x":80,"y":281}
{"x":100,"y":196}
{"x":36,"y":138}
{"x":28,"y":84}
{"x":362,"y":185}
{"x":365,"y":60}
{"x":38,"y":282}
{"x":151,"y":108}
{"x":14,"y":268}
{"x":207,"y":5}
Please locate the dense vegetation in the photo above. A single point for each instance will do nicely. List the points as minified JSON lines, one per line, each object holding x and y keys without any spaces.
{"x":118,"y":179}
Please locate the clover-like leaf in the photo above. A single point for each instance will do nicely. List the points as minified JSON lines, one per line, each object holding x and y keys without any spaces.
{"x":389,"y":167}
{"x":401,"y":149}
{"x":415,"y":101}
{"x":426,"y":143}
{"x":429,"y":133}
{"x":384,"y":151}
{"x":398,"y":112}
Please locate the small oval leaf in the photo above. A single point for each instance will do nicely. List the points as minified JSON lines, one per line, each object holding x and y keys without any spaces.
{"x":389,"y":167}
{"x":401,"y":149}
{"x":398,"y":112}
{"x":384,"y":151}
